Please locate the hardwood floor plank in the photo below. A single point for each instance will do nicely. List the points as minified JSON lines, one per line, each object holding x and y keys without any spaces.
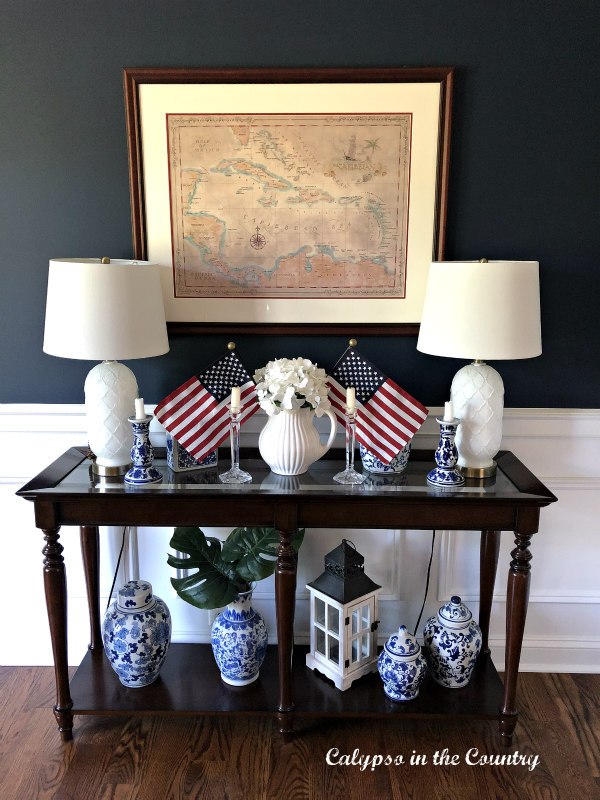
{"x":39,"y":761}
{"x":15,"y":683}
{"x":416,"y":779}
{"x":290,"y":773}
{"x":115,"y":792}
{"x":579,"y":706}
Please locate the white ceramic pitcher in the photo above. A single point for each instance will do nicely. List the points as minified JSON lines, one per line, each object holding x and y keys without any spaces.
{"x":290,"y":443}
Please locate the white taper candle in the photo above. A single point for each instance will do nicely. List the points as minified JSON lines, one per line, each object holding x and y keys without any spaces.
{"x":140,"y":413}
{"x":448,"y":411}
{"x":235,"y":399}
{"x":350,"y":398}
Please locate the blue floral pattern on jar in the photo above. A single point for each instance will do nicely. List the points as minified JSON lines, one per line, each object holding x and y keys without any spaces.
{"x":402,"y":666}
{"x":397,"y":464}
{"x":142,"y":455}
{"x":453,"y":643}
{"x":136,"y":632}
{"x":239,"y":640}
{"x":179,"y":460}
{"x":445,"y":473}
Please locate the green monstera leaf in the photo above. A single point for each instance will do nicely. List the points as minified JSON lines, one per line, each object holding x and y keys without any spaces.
{"x":214,"y":584}
{"x":254,"y":551}
{"x":247,"y":555}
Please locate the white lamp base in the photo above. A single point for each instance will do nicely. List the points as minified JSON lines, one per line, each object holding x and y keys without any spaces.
{"x":477,"y":395}
{"x":110,"y":393}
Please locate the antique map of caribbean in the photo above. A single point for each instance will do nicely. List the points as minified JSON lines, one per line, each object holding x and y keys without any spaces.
{"x":289,"y":205}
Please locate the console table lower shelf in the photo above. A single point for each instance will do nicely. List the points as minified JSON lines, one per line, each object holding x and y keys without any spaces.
{"x":190,"y":683}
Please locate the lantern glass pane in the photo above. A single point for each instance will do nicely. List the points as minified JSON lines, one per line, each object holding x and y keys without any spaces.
{"x":356,"y":621}
{"x":355,"y":654}
{"x":366,"y":617}
{"x":320,"y":641}
{"x":320,"y":611}
{"x":366,"y":645}
{"x":334,"y":650}
{"x":333,"y":615}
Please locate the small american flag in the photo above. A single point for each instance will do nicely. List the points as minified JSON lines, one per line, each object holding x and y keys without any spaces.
{"x":387,"y":418}
{"x":196,"y":414}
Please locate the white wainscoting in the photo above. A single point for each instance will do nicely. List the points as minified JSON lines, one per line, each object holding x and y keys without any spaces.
{"x":563,"y":626}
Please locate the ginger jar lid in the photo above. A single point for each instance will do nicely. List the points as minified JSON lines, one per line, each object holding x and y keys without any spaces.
{"x":455,"y":614}
{"x":403,"y":645}
{"x":135,"y":596}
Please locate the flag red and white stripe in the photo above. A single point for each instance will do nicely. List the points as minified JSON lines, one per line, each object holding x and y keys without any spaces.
{"x":197,"y":415}
{"x":387,"y":416}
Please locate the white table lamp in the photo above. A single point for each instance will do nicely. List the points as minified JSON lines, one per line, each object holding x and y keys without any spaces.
{"x":98,"y":309}
{"x":480,"y":310}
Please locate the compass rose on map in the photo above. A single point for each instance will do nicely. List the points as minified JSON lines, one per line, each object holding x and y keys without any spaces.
{"x":257,"y":240}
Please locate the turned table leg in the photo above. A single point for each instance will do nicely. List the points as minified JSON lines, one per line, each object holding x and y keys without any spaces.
{"x":285,"y":603}
{"x":488,"y":565}
{"x":90,"y":544}
{"x":55,"y":587}
{"x":517,"y":597}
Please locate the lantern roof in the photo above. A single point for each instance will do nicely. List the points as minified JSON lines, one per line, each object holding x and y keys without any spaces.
{"x":344,"y":578}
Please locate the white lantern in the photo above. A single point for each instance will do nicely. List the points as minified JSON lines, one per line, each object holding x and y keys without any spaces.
{"x":343,"y":618}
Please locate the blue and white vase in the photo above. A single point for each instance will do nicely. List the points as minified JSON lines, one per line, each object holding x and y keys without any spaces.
{"x":239,"y":641}
{"x":136,"y":632}
{"x":453,"y":642}
{"x":402,"y":666}
{"x":398,"y":463}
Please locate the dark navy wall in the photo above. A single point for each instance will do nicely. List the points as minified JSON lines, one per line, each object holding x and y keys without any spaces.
{"x":523,"y":181}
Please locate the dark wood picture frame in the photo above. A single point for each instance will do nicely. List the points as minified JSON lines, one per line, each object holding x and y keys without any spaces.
{"x":134,"y":78}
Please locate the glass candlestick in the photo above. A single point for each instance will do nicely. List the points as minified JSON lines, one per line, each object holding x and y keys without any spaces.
{"x":446,"y":456}
{"x":350,"y":475}
{"x":235,"y":474}
{"x":142,"y":454}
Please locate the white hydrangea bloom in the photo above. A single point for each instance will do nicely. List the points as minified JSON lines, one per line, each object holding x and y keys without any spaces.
{"x":291,"y":384}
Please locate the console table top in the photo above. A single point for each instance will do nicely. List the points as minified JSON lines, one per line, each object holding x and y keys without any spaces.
{"x":71,"y":476}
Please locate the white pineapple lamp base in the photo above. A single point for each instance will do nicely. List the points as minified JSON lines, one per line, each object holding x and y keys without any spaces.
{"x":477,"y":395}
{"x":110,"y":393}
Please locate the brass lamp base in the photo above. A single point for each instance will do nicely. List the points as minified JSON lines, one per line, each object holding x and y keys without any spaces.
{"x":478,"y":472}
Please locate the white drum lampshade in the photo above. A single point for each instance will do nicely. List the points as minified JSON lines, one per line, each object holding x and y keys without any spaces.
{"x":101,"y":309}
{"x":480,"y":310}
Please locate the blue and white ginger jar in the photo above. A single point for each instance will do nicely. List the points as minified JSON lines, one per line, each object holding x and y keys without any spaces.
{"x":373,"y":464}
{"x":453,"y":642}
{"x":402,"y":666}
{"x":239,"y":641}
{"x":136,"y":632}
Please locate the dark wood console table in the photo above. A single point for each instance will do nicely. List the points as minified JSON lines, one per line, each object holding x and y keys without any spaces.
{"x":65,"y":494}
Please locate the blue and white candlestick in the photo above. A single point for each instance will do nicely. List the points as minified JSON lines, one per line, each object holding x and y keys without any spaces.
{"x":446,"y":454}
{"x":142,"y":452}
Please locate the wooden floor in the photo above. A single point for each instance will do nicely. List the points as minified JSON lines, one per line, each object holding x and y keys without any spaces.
{"x":226,"y":758}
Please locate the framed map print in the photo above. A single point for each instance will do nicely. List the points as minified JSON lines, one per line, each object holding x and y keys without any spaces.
{"x":291,"y":200}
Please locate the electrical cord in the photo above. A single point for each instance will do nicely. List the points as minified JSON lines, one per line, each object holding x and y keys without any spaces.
{"x":426,"y":585}
{"x":116,"y":569}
